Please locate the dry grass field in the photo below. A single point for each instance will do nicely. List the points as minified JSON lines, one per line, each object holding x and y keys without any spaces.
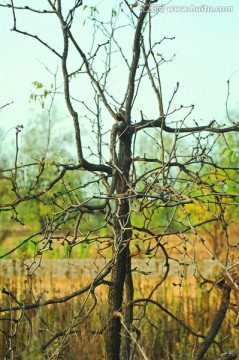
{"x":161,"y":336}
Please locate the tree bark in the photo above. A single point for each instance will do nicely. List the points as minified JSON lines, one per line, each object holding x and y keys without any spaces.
{"x":115,"y":299}
{"x":128,"y":312}
{"x":217,"y":322}
{"x":234,"y":354}
{"x":121,"y":251}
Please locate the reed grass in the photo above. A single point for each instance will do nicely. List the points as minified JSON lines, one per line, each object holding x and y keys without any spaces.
{"x":162,"y":338}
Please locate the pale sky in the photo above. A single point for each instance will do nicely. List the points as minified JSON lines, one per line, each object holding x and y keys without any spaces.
{"x":206,"y":48}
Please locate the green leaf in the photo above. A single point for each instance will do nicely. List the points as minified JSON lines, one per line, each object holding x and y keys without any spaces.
{"x":37,"y":84}
{"x":47,"y":164}
{"x":134,"y":5}
{"x":32,"y":97}
{"x":224,"y":150}
{"x":231,"y":155}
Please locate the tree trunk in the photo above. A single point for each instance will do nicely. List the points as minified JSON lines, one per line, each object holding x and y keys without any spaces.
{"x":115,"y":299}
{"x":128,"y":312}
{"x":123,"y":232}
{"x":217,"y":322}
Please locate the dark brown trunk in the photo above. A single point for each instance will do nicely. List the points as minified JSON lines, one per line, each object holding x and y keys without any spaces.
{"x":217,"y":322}
{"x":123,"y":233}
{"x":128,"y":312}
{"x":115,"y":299}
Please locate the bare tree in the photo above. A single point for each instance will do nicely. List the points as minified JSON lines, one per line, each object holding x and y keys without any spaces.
{"x":154,"y":184}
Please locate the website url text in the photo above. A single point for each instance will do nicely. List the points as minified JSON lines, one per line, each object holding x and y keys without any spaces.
{"x":192,"y":8}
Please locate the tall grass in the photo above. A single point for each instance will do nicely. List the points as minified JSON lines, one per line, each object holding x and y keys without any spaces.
{"x":162,"y":338}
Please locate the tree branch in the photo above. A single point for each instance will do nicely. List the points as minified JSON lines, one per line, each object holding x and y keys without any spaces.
{"x":195,"y":129}
{"x":217,"y":322}
{"x":98,"y":280}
